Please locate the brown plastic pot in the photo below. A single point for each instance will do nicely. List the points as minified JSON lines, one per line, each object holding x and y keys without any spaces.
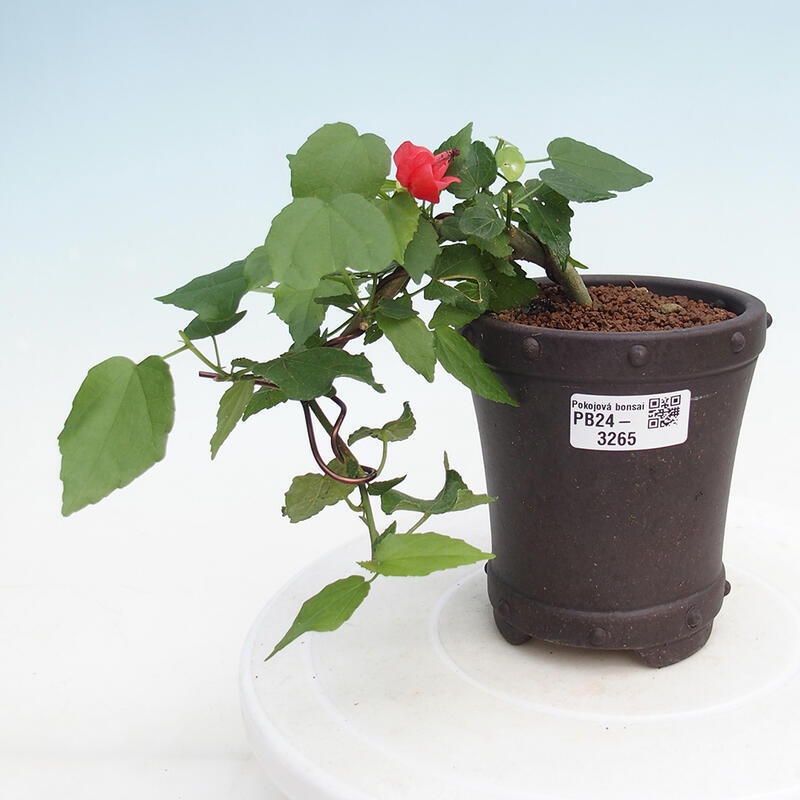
{"x":608,"y":533}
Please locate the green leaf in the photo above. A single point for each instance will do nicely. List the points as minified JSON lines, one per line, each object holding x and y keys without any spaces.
{"x":449,"y":230}
{"x":116,"y":430}
{"x":213,"y":297}
{"x":418,"y":554}
{"x":465,"y":364}
{"x":460,"y":262}
{"x":465,"y":297}
{"x":511,"y":291}
{"x":310,"y":493}
{"x":257,"y":271}
{"x":458,"y":141}
{"x":573,"y":187}
{"x":454,"y":496}
{"x":481,"y":219}
{"x":548,"y":215}
{"x":475,"y":167}
{"x":412,"y":340}
{"x":336,"y":160}
{"x":306,"y":374}
{"x":421,"y":251}
{"x":311,"y":238}
{"x":395,"y":431}
{"x":453,"y":316}
{"x":266,"y":397}
{"x":589,"y":168}
{"x":298,"y":309}
{"x":403,"y":215}
{"x":327,"y":610}
{"x":397,"y":307}
{"x":232,"y":406}
{"x":377,"y":488}
{"x":201,"y":329}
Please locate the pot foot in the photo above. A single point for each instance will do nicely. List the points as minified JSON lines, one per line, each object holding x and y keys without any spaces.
{"x":666,"y":654}
{"x":511,"y":634}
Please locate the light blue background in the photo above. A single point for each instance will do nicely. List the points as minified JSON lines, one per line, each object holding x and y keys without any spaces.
{"x":143,"y":143}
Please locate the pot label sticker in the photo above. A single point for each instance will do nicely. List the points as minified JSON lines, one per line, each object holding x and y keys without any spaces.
{"x":629,"y":422}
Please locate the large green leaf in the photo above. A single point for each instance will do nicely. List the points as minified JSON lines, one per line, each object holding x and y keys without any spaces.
{"x":214,"y":296}
{"x":580,"y":169}
{"x":465,"y":364}
{"x":311,"y":238}
{"x":336,"y":160}
{"x":232,"y":406}
{"x":327,"y":610}
{"x":410,"y":554}
{"x":116,"y":430}
{"x":412,"y":340}
{"x":310,"y":493}
{"x":306,"y":374}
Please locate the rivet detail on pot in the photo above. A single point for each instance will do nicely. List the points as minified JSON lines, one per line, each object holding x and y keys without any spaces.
{"x":638,"y":355}
{"x":738,"y":341}
{"x":598,"y":637}
{"x":694,"y":617}
{"x":531,"y":349}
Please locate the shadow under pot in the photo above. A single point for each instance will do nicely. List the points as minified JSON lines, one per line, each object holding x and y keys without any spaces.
{"x":612,"y":475}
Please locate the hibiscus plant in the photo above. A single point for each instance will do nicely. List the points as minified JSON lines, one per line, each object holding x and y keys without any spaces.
{"x":354,"y":257}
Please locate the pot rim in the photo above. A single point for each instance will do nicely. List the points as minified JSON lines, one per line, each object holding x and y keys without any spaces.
{"x":629,"y":355}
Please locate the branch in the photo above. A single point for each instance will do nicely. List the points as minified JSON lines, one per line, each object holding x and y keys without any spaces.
{"x":528,"y":248}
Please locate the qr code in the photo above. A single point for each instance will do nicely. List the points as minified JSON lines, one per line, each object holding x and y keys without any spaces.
{"x":663,"y":411}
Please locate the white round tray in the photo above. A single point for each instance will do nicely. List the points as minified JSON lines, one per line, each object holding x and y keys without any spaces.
{"x":419,"y":698}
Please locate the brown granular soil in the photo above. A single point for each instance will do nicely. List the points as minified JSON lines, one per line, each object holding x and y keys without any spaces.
{"x":616,"y":308}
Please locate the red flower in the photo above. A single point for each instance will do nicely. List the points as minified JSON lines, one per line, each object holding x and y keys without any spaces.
{"x":422,"y":172}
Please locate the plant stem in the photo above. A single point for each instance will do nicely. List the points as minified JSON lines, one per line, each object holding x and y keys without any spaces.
{"x":423,"y":519}
{"x":189,"y":346}
{"x":527,"y":248}
{"x":369,"y":517}
{"x":181,"y":349}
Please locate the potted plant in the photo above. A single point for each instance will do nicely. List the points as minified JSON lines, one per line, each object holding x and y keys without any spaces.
{"x":353,"y":258}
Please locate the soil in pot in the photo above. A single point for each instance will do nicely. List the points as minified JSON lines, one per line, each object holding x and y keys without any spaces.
{"x":617,"y":308}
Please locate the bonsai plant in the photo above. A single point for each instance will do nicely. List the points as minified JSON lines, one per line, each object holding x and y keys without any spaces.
{"x":356,"y":256}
